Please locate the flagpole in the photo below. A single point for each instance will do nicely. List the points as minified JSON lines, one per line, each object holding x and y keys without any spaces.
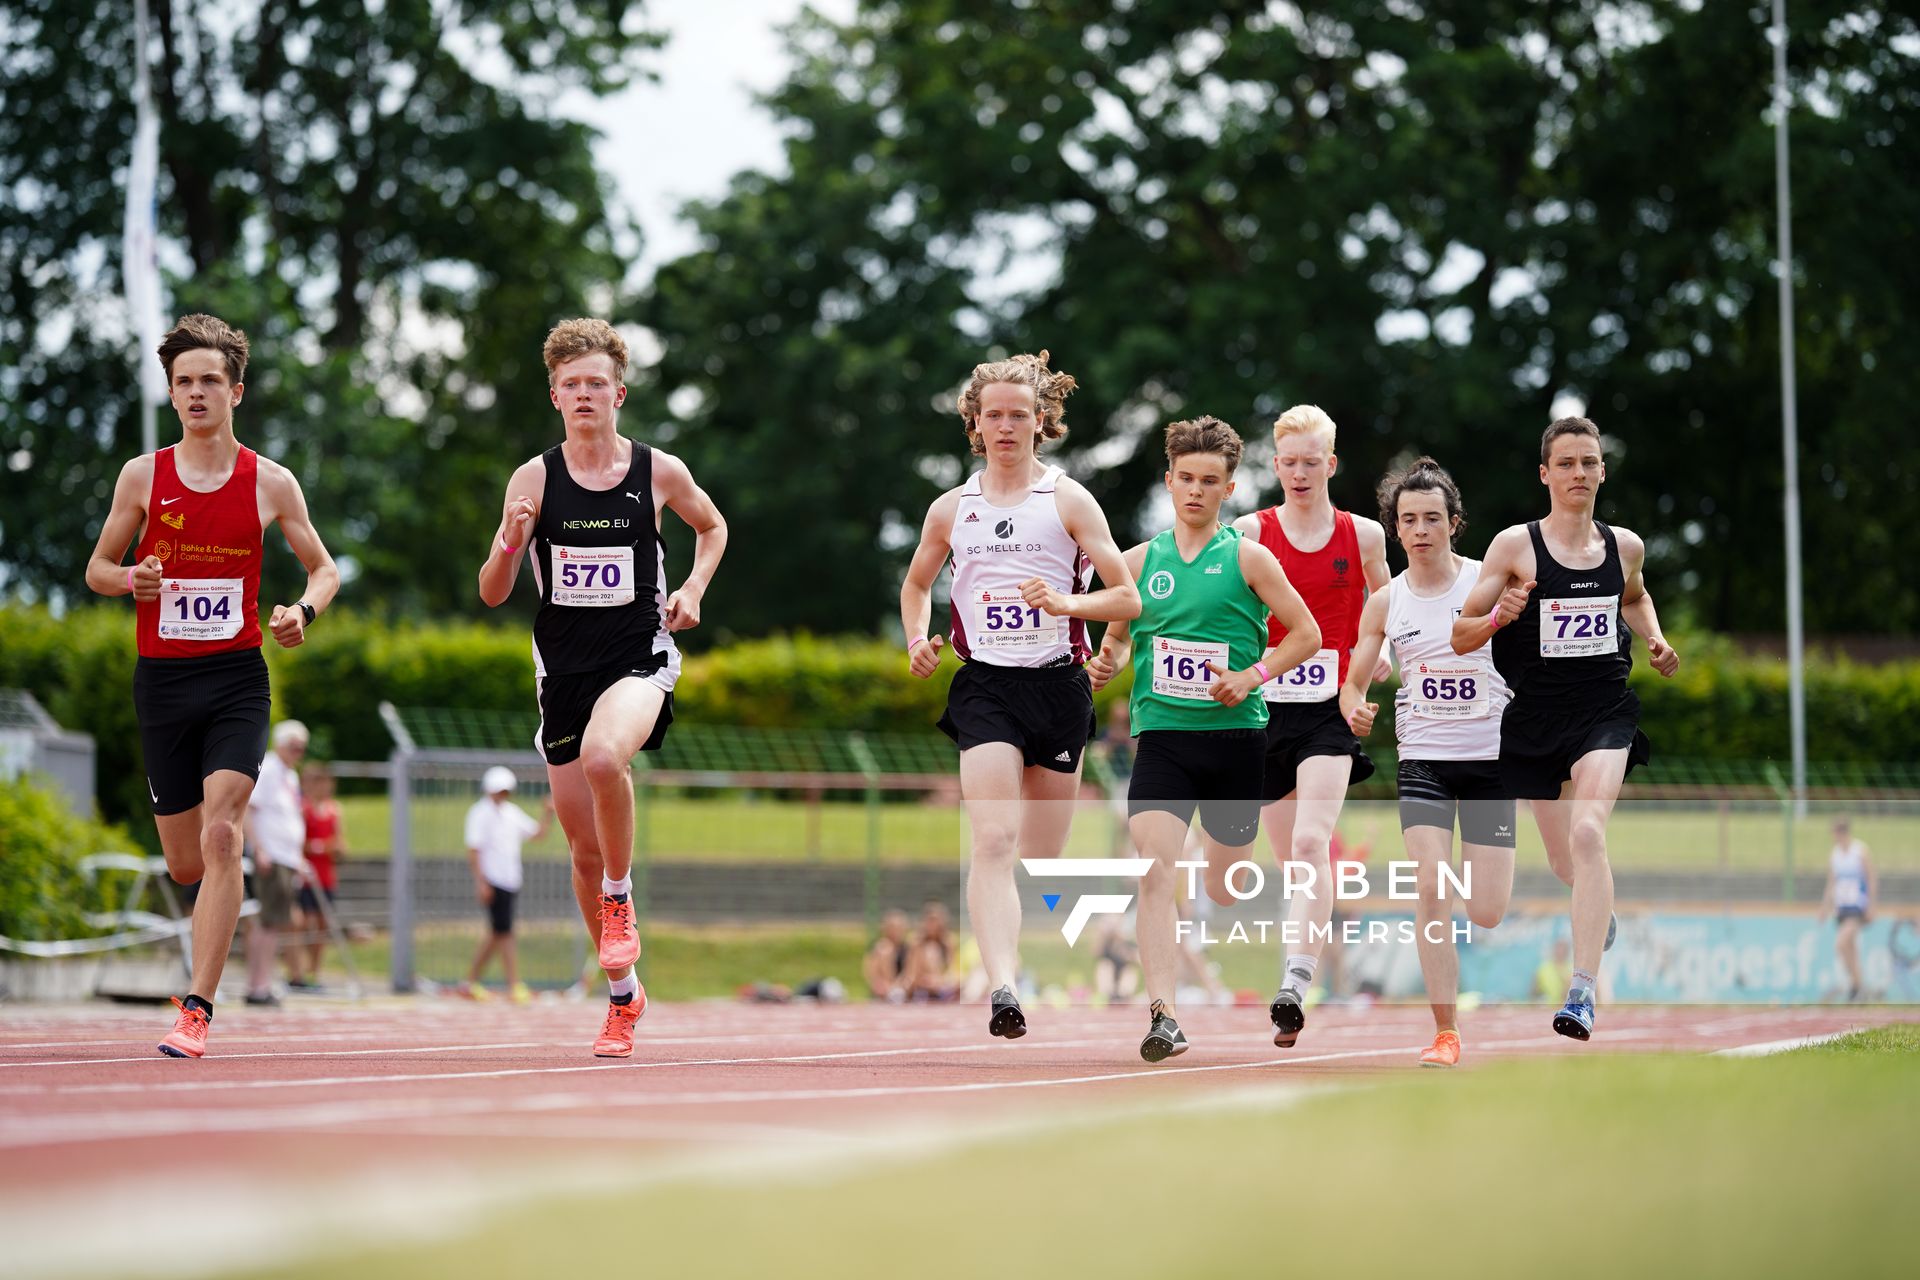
{"x":141,"y":267}
{"x":1789,"y":421}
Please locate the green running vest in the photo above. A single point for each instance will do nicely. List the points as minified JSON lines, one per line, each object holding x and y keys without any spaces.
{"x":1188,"y":613}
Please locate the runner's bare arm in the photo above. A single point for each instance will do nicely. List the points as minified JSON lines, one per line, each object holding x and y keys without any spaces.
{"x":1263,"y":573}
{"x":286,"y":504}
{"x":1354,"y":707}
{"x":1372,"y":537}
{"x":1087,"y":525}
{"x":1499,"y":595}
{"x":105,"y":574}
{"x":1117,"y":644}
{"x":686,"y":499}
{"x":916,"y":590}
{"x":522,"y":507}
{"x":1636,"y":605}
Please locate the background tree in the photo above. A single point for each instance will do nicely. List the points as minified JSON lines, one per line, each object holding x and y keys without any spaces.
{"x":381,"y":195}
{"x":1439,"y":222}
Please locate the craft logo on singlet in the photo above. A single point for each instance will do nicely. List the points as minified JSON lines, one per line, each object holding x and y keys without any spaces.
{"x":174,"y":520}
{"x":1004,"y":529}
{"x":1160,"y":585}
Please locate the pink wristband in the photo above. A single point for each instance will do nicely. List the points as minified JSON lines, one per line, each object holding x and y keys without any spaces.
{"x":504,"y":547}
{"x":130,"y":569}
{"x":916,"y":640}
{"x":1497,"y":624}
{"x":1265,"y":675}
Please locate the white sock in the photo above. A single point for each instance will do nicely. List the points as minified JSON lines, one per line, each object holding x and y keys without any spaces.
{"x":1300,"y":974}
{"x":627,"y":986}
{"x":614,"y":888}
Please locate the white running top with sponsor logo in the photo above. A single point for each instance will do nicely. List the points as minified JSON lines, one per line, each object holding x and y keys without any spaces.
{"x":1448,"y":706}
{"x":995,"y":549}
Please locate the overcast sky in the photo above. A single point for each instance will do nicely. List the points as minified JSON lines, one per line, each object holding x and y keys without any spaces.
{"x":685,"y":134}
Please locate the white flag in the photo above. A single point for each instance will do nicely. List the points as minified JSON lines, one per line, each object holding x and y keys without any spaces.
{"x":141,"y":264}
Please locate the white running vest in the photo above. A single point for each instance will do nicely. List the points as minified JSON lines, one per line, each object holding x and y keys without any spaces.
{"x":995,"y":549}
{"x":1849,"y":866}
{"x":1448,"y":706}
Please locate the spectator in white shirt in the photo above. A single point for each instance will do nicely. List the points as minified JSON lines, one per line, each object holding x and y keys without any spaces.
{"x":277,"y":830}
{"x":496,"y":828}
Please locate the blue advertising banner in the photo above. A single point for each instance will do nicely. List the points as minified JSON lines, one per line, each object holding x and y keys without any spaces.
{"x":1664,"y":957}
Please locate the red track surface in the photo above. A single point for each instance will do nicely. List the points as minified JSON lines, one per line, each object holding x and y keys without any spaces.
{"x":83,"y":1095}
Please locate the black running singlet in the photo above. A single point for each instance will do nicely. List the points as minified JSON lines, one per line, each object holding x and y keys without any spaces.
{"x":599,"y":563}
{"x":1571,"y":638}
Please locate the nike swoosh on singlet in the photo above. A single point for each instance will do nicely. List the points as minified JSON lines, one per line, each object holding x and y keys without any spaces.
{"x":167,"y":502}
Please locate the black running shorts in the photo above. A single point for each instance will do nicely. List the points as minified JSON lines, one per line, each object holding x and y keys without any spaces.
{"x":1215,"y":771}
{"x":1297,"y":731}
{"x":1432,"y":791}
{"x":500,"y":910}
{"x":566,"y":705}
{"x":1047,"y":712}
{"x":1541,"y":739}
{"x":198,"y":716}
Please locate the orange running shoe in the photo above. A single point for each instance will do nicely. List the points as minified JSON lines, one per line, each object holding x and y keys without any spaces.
{"x":619,"y":940}
{"x":616,"y":1037}
{"x":189,"y":1036}
{"x":1443,"y":1052}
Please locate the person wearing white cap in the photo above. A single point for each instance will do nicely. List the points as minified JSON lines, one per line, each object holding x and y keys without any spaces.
{"x":496,"y":828}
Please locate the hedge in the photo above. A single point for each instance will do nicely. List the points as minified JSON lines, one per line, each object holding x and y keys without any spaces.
{"x":1722,"y":705}
{"x":43,"y":896}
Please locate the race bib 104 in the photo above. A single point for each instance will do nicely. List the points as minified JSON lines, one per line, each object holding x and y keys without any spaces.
{"x":1004,"y":623}
{"x":1447,"y":690}
{"x":1180,"y":668}
{"x":593,"y":577}
{"x":1315,"y":680}
{"x":1582,"y":628}
{"x":200,"y":608}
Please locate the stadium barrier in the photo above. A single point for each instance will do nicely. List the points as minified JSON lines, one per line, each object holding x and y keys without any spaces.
{"x":747,"y":826}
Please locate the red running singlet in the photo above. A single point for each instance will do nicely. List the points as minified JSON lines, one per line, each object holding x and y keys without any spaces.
{"x":209,"y":550}
{"x":1330,"y":580}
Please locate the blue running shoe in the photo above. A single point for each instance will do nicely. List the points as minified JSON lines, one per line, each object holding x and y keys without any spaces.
{"x":1575,"y":1018}
{"x":1613,"y":927}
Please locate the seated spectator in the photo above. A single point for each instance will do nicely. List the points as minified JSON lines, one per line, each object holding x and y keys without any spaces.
{"x":929,"y":973}
{"x":885,"y":967}
{"x":1116,"y":964}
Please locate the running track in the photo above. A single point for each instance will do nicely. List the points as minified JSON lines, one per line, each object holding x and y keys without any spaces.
{"x":434,"y":1093}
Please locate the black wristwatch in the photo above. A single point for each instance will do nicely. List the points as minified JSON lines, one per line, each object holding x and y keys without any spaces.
{"x":307,"y":610}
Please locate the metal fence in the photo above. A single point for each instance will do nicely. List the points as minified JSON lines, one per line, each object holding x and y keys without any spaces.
{"x":742,"y":825}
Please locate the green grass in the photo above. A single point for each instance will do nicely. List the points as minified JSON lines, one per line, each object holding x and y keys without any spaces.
{"x":1902,"y":1038}
{"x":733,"y":828}
{"x":680,"y":963}
{"x":1593,"y":1166}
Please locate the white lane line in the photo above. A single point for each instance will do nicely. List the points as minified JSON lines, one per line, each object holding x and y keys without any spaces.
{"x":198,"y":1086}
{"x":285,"y":1053}
{"x":123,"y":1123}
{"x":411,"y":1032}
{"x":1767,"y":1048}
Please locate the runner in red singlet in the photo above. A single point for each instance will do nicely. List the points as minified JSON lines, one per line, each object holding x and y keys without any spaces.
{"x":198,"y":510}
{"x":1333,"y":559}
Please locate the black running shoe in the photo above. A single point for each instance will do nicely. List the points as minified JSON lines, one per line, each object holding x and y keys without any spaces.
{"x":1164,"y":1037}
{"x":1288,"y":1018}
{"x":1007,"y":1020}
